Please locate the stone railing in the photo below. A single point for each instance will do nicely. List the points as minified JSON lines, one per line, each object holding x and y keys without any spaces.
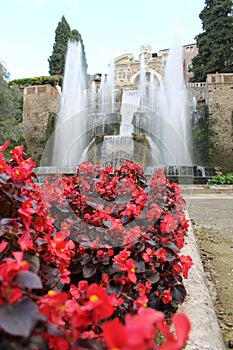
{"x":220,"y":78}
{"x":196,"y":85}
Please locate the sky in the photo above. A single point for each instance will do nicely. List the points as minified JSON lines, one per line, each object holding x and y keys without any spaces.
{"x":109,"y":28}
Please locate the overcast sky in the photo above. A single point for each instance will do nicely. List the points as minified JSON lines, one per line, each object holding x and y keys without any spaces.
{"x":109,"y":28}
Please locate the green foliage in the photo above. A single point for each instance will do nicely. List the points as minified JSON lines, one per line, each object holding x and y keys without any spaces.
{"x":221,"y":179}
{"x":63,"y":34}
{"x":200,"y":141}
{"x":50,"y":125}
{"x":11,"y":102}
{"x":215,"y":52}
{"x":42,"y":80}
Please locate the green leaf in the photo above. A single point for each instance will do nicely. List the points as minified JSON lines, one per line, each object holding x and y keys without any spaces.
{"x":20,"y":318}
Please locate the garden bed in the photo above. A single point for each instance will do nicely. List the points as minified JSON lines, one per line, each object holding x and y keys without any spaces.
{"x":87,"y":257}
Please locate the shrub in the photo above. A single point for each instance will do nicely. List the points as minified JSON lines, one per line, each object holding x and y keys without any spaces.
{"x":42,"y":80}
{"x":87,"y":261}
{"x":221,"y":179}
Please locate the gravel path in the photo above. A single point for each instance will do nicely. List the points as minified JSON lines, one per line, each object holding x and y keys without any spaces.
{"x":211,"y":213}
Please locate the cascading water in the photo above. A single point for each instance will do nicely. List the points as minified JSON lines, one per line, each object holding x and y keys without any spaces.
{"x":69,"y":137}
{"x":194,"y":104}
{"x":120,"y":147}
{"x":116,"y":149}
{"x":129,"y":105}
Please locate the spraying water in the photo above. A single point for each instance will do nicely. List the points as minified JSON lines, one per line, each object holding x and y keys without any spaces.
{"x":107,"y":91}
{"x":111,"y":87}
{"x":93,"y":97}
{"x":69,"y":141}
{"x":174,"y":128}
{"x":152,"y":99}
{"x":102,"y":94}
{"x":142,"y":79}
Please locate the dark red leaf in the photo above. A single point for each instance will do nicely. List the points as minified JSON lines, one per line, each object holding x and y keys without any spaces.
{"x":6,"y":345}
{"x":89,"y":270}
{"x":34,"y":262}
{"x":178,"y":292}
{"x":89,"y":344}
{"x":28,"y":279}
{"x":114,"y":287}
{"x":19,"y":319}
{"x":140,"y":266}
{"x":152,"y":275}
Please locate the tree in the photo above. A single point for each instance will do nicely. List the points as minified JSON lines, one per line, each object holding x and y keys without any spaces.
{"x":215,"y":44}
{"x":11,"y":101}
{"x":62,"y":37}
{"x":57,"y":59}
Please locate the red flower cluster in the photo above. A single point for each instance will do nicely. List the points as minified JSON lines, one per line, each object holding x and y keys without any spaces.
{"x":89,"y":254}
{"x":10,"y":291}
{"x":139,"y":330}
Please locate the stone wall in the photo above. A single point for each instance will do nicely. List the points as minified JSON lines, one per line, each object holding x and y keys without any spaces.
{"x":39,"y":109}
{"x":197,"y":90}
{"x":219,"y":98}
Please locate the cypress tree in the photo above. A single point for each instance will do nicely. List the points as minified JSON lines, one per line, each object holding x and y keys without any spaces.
{"x":63,"y":34}
{"x":215,"y":43}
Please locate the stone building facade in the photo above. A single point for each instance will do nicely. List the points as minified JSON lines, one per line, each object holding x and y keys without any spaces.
{"x":188,"y":52}
{"x":127,"y":68}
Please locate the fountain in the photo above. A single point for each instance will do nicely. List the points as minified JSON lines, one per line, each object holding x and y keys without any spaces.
{"x":163,"y":115}
{"x":151,"y":127}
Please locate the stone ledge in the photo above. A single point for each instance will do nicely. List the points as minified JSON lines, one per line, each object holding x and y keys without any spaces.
{"x":205,"y":332}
